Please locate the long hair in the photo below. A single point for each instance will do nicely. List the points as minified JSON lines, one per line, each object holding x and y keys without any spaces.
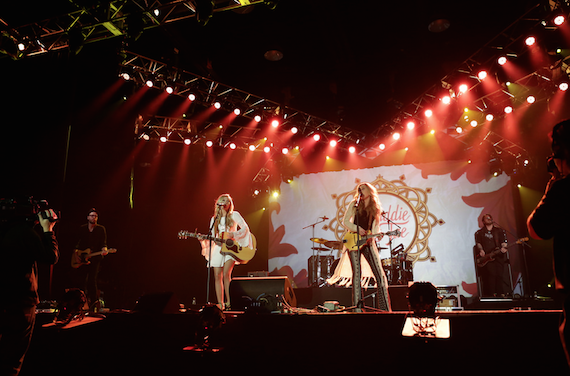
{"x":229,"y":218}
{"x":374,"y":207}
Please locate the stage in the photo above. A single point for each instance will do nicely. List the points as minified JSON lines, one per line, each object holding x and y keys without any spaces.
{"x":304,"y":341}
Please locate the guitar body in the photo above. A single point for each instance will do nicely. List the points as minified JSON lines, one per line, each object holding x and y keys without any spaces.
{"x":81,"y":257}
{"x":353,"y":242}
{"x":241,"y":254}
{"x":487,"y":258}
{"x":229,"y":246}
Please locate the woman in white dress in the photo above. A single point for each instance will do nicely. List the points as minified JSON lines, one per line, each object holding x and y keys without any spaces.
{"x":227,"y":224}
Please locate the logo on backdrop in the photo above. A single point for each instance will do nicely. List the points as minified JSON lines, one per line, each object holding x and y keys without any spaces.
{"x":405,"y":209}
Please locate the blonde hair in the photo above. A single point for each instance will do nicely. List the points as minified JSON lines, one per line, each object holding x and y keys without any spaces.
{"x":229,"y":218}
{"x":374,"y":207}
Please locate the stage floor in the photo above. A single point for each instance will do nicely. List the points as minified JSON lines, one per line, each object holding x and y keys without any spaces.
{"x":495,"y":342}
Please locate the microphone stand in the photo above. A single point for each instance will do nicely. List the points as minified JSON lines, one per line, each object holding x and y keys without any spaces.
{"x":519,"y":279}
{"x":210,"y":256}
{"x":389,"y":222}
{"x":313,"y":247}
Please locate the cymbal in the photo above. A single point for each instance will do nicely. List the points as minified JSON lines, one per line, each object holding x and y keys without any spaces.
{"x":333,"y":244}
{"x":321,"y":249}
{"x":319,"y":240}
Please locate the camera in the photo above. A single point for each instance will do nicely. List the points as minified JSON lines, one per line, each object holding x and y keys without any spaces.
{"x":26,"y":209}
{"x":550,"y":165}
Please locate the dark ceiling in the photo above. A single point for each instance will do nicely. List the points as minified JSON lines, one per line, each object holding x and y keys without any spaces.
{"x":353,"y":63}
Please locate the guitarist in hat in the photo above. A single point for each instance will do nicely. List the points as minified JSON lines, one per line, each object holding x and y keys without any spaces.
{"x":491,"y":241}
{"x":92,"y":237}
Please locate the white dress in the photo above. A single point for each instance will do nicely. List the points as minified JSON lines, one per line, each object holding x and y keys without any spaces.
{"x":242,"y":236}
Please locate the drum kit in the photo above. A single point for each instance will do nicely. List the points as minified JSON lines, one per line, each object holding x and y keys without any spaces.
{"x":321,"y":267}
{"x":398,"y":268}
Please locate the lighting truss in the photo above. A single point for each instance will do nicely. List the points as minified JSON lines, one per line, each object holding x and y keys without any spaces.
{"x":207,"y":91}
{"x":107,"y":20}
{"x":507,"y":42}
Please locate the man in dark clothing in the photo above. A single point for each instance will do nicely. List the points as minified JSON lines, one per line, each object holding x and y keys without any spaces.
{"x":550,"y":219}
{"x":92,"y":239}
{"x":21,"y":248}
{"x":492,"y":260}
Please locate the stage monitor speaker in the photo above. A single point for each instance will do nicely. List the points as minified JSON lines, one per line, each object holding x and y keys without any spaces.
{"x":161,"y":302}
{"x":261,"y":293}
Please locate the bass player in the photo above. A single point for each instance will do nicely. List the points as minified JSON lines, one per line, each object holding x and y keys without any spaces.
{"x":494,"y":276}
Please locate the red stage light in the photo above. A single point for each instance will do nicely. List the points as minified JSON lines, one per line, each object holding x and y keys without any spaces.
{"x":209,"y":143}
{"x":332,"y":143}
{"x":396,"y":136}
{"x":428,"y":113}
{"x":502,"y":60}
{"x":217,"y":105}
{"x":508,"y":110}
{"x":163,"y":139}
{"x":233,"y":146}
{"x":559,"y":20}
{"x":149,"y":83}
{"x":294,"y":130}
{"x":411,"y":125}
{"x":267,"y":149}
{"x":530,"y":41}
{"x":257,"y":118}
{"x":187,"y":141}
{"x":274,"y":123}
{"x":191,"y":97}
{"x":169,"y":90}
{"x":285,"y":151}
{"x":563,"y":86}
{"x":382,"y":146}
{"x":252,"y":147}
{"x":352,"y":149}
{"x":316,"y":137}
{"x":482,"y":75}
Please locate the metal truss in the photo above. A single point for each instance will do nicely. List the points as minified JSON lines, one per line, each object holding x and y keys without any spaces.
{"x":126,"y":18}
{"x":507,"y":43}
{"x":207,"y":91}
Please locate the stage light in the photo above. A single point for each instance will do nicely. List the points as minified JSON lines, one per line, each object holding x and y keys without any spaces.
{"x":274,"y":123}
{"x":396,"y":136}
{"x":275,"y":194}
{"x":156,"y":12}
{"x":332,"y":143}
{"x":163,"y":139}
{"x":508,"y":110}
{"x":285,"y":151}
{"x":125,"y":76}
{"x":411,"y":125}
{"x":502,"y":60}
{"x":422,"y":300}
{"x":149,"y":83}
{"x":563,"y":86}
{"x":209,"y":143}
{"x":559,"y":20}
{"x":187,"y":141}
{"x":489,"y":117}
{"x":428,"y":113}
{"x":266,"y":149}
{"x":146,"y":137}
{"x":169,"y":90}
{"x":482,"y":75}
{"x":432,"y":131}
{"x":257,"y":118}
{"x":217,"y":105}
{"x":463,"y":88}
{"x":351,"y":149}
{"x":474,"y":123}
{"x":294,"y":130}
{"x":252,"y":147}
{"x":530,"y":99}
{"x":232,"y":146}
{"x":446,"y":99}
{"x":316,"y":137}
{"x":237,"y":111}
{"x":529,"y":41}
{"x":382,"y":146}
{"x":459,"y":130}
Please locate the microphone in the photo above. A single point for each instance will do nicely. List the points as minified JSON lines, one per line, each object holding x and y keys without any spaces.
{"x":384,"y":213}
{"x":324,"y":218}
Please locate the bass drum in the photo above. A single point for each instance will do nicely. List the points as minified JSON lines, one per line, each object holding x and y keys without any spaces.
{"x":320,"y":269}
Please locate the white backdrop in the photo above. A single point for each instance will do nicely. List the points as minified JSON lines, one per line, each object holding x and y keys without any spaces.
{"x":427,"y":201}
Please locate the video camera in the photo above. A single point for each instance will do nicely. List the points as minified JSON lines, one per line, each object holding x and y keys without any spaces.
{"x":26,"y":209}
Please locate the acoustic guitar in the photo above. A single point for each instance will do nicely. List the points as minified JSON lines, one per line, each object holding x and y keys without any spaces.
{"x":81,"y":257}
{"x":353,"y":242}
{"x":487,"y":258}
{"x":229,"y":246}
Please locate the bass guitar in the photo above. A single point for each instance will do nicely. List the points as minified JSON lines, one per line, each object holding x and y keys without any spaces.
{"x":353,"y":242}
{"x":487,"y":258}
{"x":81,"y":257}
{"x":229,"y":246}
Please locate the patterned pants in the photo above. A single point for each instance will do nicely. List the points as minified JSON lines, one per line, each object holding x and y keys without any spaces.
{"x":382,"y":298}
